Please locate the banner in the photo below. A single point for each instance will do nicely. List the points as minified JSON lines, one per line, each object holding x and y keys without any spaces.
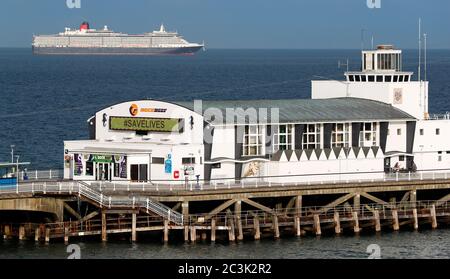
{"x":78,"y":164}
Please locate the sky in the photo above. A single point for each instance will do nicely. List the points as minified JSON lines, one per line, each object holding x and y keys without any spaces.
{"x":270,"y":24}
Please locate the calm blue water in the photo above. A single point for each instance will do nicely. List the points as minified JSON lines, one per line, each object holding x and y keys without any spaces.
{"x":45,"y":100}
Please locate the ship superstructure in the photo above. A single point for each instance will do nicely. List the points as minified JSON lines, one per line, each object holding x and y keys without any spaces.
{"x":105,"y":41}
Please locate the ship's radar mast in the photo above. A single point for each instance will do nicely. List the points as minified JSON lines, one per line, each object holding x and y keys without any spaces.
{"x":162,"y":29}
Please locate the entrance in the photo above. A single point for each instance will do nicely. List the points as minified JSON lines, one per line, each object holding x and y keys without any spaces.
{"x":139,"y":172}
{"x":103,"y":171}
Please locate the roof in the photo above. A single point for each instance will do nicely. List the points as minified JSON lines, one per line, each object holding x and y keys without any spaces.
{"x":311,"y":110}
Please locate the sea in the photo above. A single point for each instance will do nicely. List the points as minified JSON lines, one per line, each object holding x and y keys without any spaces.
{"x":45,"y":100}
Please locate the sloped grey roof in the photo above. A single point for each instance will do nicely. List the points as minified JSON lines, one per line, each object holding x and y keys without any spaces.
{"x":310,"y":110}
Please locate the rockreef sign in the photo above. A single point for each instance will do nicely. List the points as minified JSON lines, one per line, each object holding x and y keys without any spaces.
{"x":146,"y":124}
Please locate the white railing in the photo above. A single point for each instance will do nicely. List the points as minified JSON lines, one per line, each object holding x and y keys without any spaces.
{"x":261,"y":182}
{"x":41,"y":174}
{"x":82,"y":189}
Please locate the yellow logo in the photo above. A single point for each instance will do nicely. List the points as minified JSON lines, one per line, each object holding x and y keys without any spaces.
{"x":134,"y":109}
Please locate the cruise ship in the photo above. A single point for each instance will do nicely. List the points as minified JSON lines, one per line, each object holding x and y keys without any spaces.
{"x":87,"y":41}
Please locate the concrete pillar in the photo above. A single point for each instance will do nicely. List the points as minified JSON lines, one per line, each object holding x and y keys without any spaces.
{"x":186,"y":233}
{"x":297,"y":226}
{"x":231,"y":229}
{"x":357,"y":203}
{"x":104,"y":234}
{"x":21,"y":232}
{"x":47,"y":235}
{"x":298,"y":206}
{"x":133,"y":227}
{"x":37,"y":234}
{"x":317,"y":224}
{"x":256,"y":228}
{"x":377,"y":221}
{"x":193,"y":234}
{"x":396,"y":224}
{"x":416,"y":219}
{"x":355,"y":222}
{"x":185,"y":210}
{"x":7,"y":232}
{"x":276,"y":228}
{"x":213,"y":230}
{"x":204,"y":236}
{"x":413,"y":198}
{"x":237,"y":213}
{"x":166,"y":231}
{"x":434,"y":223}
{"x":337,"y":223}
{"x":66,"y":235}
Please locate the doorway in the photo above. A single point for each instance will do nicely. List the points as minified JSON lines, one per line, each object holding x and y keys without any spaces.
{"x":139,"y":172}
{"x":103,"y":171}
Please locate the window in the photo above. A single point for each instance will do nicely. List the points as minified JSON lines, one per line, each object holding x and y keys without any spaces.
{"x":351,"y":78}
{"x":371,"y":78}
{"x":379,"y":78}
{"x":399,"y":132}
{"x":89,"y":168}
{"x":388,"y":78}
{"x":400,"y":78}
{"x":438,"y":132}
{"x":358,"y":78}
{"x":395,"y":78}
{"x":340,"y":135}
{"x":141,"y":133}
{"x":368,"y":135}
{"x":401,"y":158}
{"x":421,"y":132}
{"x":363,"y":78}
{"x":216,"y":166}
{"x":311,"y":136}
{"x":283,"y":139}
{"x":406,"y":78}
{"x":440,"y":158}
{"x":158,"y":160}
{"x":252,"y":140}
{"x":116,"y":169}
{"x":188,"y":160}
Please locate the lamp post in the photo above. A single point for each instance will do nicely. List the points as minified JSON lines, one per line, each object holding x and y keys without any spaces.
{"x":17,"y":173}
{"x":12,"y":153}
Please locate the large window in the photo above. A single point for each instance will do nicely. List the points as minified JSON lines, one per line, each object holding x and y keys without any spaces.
{"x":340,"y":135}
{"x":368,"y":135}
{"x":311,"y":136}
{"x":253,"y":140}
{"x":282,"y":140}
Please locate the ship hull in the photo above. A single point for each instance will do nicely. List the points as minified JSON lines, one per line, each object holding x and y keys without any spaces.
{"x":114,"y":51}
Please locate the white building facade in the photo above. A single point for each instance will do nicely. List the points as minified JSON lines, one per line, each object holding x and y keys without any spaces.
{"x":375,"y":122}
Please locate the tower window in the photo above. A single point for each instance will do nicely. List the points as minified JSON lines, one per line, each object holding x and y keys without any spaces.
{"x":363,"y":78}
{"x":421,"y":132}
{"x":400,"y":78}
{"x":351,"y":78}
{"x":371,"y":78}
{"x":388,"y":78}
{"x":406,"y":78}
{"x":399,"y":132}
{"x":358,"y":78}
{"x":395,"y":78}
{"x":438,"y":132}
{"x":379,"y":78}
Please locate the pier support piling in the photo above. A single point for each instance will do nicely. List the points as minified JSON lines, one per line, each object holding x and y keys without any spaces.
{"x":7,"y":232}
{"x":256,"y":228}
{"x":237,"y":213}
{"x":337,"y":223}
{"x":133,"y":227}
{"x":231,"y":230}
{"x":317,"y":225}
{"x":416,"y":219}
{"x":21,"y":232}
{"x":104,"y":235}
{"x":66,"y":235}
{"x":47,"y":235}
{"x":356,"y":203}
{"x":37,"y":234}
{"x":376,"y":214}
{"x":213,"y":229}
{"x":395,"y":224}
{"x":356,"y":228}
{"x":193,"y":234}
{"x":433,"y":216}
{"x":186,"y":233}
{"x":276,"y":228}
{"x":297,"y":226}
{"x":166,"y":231}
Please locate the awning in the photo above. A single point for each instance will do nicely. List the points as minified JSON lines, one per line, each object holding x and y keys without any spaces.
{"x":391,"y":154}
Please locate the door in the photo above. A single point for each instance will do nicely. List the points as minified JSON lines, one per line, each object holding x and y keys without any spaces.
{"x":387,"y":165}
{"x":103,"y":171}
{"x":134,"y":171}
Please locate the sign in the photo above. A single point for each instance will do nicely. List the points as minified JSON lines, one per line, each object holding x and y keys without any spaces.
{"x":168,"y":164}
{"x":134,"y":110}
{"x":398,"y":96}
{"x":102,"y":158}
{"x":176,"y":174}
{"x":146,"y":124}
{"x":78,"y":166}
{"x":121,"y":163}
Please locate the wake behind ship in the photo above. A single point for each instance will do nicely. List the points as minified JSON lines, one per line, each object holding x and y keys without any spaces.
{"x":87,"y":41}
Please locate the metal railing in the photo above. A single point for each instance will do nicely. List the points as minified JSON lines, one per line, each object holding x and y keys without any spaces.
{"x":84,"y":190}
{"x":261,"y":182}
{"x":41,"y":174}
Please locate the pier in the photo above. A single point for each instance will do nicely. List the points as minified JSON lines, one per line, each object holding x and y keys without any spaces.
{"x":228,"y":213}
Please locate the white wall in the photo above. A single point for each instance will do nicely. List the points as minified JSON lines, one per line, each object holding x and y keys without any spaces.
{"x":394,"y":141}
{"x":413,"y":100}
